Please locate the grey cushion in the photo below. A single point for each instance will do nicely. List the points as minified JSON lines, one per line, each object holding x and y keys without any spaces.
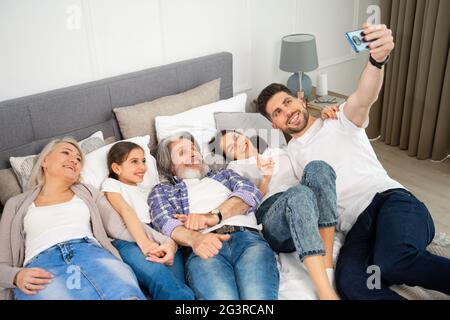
{"x":110,"y":140}
{"x":251,"y":124}
{"x":139,"y":119}
{"x":9,"y":185}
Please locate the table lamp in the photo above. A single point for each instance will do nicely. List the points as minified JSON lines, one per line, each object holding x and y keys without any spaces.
{"x":299,"y":55}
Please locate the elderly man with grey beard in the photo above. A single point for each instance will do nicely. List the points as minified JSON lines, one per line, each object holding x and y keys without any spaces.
{"x":211,"y":214}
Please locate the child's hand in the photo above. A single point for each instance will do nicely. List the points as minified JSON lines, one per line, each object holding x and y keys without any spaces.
{"x":164,"y":253}
{"x":147,"y":247}
{"x":265,"y":166}
{"x":330,"y":112}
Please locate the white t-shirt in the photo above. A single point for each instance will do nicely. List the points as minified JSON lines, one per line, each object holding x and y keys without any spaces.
{"x":344,"y":146}
{"x":208,"y":194}
{"x":47,"y":226}
{"x":283,"y":174}
{"x":135,"y":196}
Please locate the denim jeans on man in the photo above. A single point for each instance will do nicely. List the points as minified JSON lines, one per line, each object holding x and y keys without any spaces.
{"x":244,"y":269}
{"x":392,"y":233}
{"x":291,"y":219}
{"x":83,"y":270}
{"x":162,"y":282}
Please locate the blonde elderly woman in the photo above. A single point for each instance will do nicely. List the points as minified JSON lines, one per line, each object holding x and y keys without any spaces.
{"x":53,"y":242}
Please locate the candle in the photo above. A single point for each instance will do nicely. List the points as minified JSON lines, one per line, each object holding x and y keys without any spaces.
{"x":322,"y":88}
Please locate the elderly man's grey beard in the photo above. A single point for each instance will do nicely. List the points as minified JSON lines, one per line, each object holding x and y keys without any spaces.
{"x":191,"y":173}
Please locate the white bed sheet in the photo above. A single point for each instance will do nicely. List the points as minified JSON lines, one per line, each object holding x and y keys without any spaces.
{"x":295,"y":283}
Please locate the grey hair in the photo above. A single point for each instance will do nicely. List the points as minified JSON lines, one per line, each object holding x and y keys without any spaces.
{"x":37,"y":177}
{"x":164,"y":155}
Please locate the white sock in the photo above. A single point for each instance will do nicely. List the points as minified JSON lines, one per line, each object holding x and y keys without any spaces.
{"x":330,"y":274}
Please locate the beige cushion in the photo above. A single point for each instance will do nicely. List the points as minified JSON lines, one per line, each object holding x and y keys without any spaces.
{"x":9,"y":186}
{"x":139,"y":119}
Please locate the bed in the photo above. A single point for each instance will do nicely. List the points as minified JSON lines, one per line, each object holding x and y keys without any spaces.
{"x":28,"y":123}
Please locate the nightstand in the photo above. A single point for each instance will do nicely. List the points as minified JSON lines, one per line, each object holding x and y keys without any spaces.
{"x":315,"y":110}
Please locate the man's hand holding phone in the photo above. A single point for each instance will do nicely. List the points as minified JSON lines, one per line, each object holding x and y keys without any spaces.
{"x":377,"y":39}
{"x":381,"y":41}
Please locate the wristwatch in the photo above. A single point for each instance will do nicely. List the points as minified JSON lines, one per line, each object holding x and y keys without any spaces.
{"x":217,"y":213}
{"x":377,"y":64}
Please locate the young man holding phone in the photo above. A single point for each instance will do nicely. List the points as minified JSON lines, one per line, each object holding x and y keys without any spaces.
{"x":385,"y":225}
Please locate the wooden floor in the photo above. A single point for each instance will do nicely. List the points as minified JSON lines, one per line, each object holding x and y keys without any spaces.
{"x":427,"y":180}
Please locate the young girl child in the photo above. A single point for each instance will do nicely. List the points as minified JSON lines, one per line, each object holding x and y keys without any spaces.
{"x":295,"y":216}
{"x":157,"y":265}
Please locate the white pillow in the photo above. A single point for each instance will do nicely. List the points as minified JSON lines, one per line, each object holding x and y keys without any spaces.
{"x":198,"y":121}
{"x":22,"y":166}
{"x":95,"y":169}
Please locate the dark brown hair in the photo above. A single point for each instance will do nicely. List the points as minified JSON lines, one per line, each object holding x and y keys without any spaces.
{"x":215,"y":144}
{"x":256,"y":140}
{"x":119,"y":154}
{"x":267,"y":93}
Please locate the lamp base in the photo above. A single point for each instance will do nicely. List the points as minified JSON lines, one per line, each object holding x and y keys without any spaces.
{"x":293,"y":84}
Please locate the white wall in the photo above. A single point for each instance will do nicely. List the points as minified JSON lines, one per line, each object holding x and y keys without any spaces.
{"x":48,"y":44}
{"x":327,"y":20}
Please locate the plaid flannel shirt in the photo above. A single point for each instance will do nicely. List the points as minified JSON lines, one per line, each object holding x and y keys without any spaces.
{"x":166,"y":199}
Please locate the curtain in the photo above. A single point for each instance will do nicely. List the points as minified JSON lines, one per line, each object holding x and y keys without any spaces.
{"x":413,"y":109}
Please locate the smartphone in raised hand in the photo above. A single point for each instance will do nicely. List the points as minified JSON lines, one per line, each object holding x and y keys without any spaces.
{"x":356,"y":40}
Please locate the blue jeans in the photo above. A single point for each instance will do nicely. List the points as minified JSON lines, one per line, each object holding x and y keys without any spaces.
{"x":392,"y":233}
{"x":83,"y":270}
{"x":162,"y":282}
{"x":244,"y":269}
{"x":291,"y":219}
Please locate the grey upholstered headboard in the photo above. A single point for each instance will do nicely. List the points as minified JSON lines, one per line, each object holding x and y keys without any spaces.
{"x":28,"y":123}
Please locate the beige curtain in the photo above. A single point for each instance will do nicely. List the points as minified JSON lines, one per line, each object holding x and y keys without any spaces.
{"x":413,"y":109}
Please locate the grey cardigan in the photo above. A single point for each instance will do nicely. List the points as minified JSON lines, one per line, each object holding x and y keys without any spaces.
{"x":105,"y":222}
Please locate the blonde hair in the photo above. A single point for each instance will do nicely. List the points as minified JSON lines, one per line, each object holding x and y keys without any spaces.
{"x":37,"y":177}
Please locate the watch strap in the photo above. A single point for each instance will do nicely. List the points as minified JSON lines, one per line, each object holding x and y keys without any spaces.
{"x":217,"y":213}
{"x":377,"y":64}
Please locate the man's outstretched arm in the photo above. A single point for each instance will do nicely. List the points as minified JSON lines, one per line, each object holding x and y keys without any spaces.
{"x":358,"y":104}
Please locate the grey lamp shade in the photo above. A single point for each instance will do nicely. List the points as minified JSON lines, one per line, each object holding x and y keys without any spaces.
{"x":298,"y":53}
